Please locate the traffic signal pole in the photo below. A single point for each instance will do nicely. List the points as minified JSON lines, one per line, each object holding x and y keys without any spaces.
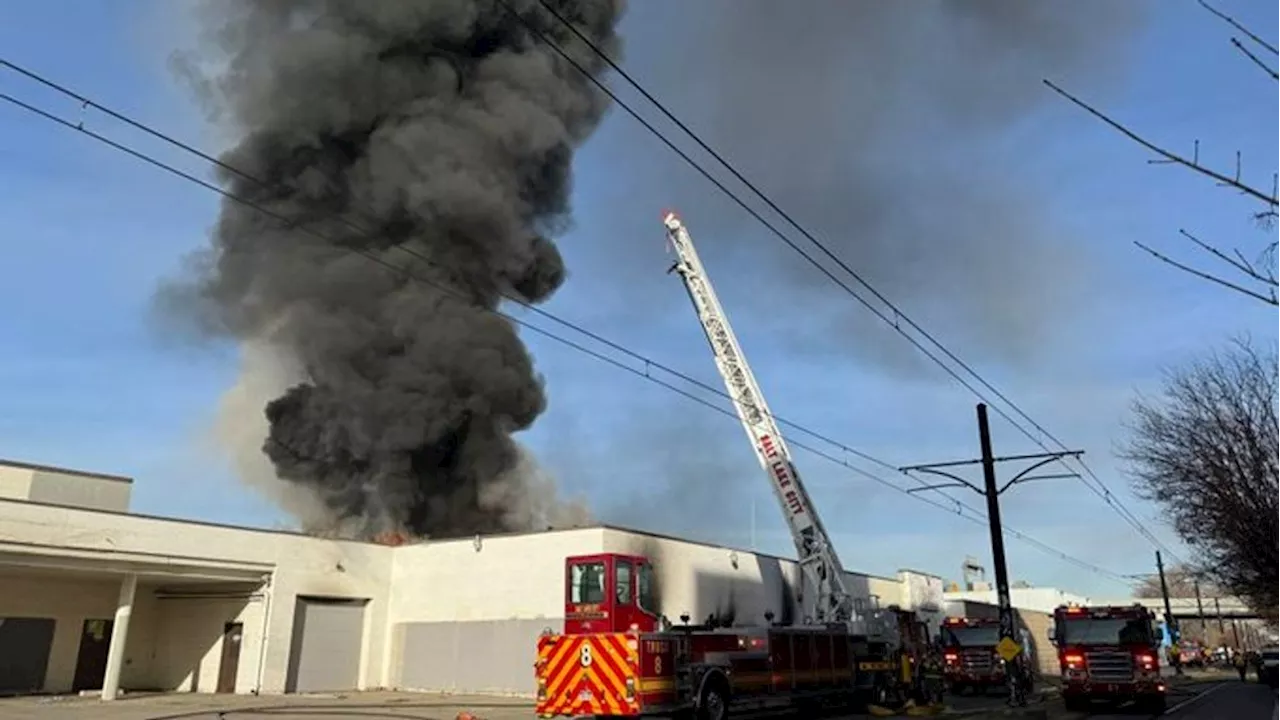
{"x":1010,"y":648}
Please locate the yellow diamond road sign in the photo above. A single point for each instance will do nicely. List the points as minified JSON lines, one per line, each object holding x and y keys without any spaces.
{"x":1008,"y":649}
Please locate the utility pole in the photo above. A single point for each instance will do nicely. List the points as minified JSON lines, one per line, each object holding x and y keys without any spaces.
{"x":1169,"y":623}
{"x":1009,"y":648}
{"x":1217,"y":610}
{"x":1199,"y":608}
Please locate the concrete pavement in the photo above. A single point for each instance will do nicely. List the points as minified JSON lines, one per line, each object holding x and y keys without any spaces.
{"x":353,"y":706}
{"x":1189,"y":700}
{"x":188,"y":706}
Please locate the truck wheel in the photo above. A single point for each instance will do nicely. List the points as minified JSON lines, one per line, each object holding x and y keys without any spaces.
{"x":714,"y":702}
{"x":1075,"y":704}
{"x":1157,"y":705}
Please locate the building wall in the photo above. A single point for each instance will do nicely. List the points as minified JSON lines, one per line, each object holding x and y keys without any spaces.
{"x":506,"y":577}
{"x":15,"y":482}
{"x":186,"y":647}
{"x":80,"y":491}
{"x":69,"y":602}
{"x":923,"y":593}
{"x":446,"y":615}
{"x":703,"y":580}
{"x":1039,"y":599}
{"x":466,"y":617}
{"x":303,"y":565}
{"x":55,"y":486}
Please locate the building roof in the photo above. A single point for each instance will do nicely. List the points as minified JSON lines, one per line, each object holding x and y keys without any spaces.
{"x":512,"y":534}
{"x":63,"y":471}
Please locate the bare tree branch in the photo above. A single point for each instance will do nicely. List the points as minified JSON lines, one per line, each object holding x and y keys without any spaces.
{"x":1195,"y":165}
{"x":1265,"y":217}
{"x":1230,"y":21}
{"x":1238,"y":262}
{"x":1181,"y":580}
{"x":1270,"y":300}
{"x":1256,"y":60}
{"x":1205,"y":452}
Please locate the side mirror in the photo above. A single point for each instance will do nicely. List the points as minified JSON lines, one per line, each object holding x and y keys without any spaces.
{"x":1053,"y":636}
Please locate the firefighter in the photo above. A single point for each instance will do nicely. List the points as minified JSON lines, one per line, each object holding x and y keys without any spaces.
{"x":1175,"y":657}
{"x":931,"y":679}
{"x":1238,"y":659}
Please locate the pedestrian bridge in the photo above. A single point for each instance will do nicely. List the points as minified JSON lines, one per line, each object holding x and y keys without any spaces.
{"x":1186,"y":607}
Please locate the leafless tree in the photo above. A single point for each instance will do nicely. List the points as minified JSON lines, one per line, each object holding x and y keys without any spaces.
{"x":1205,"y":451}
{"x":1248,"y":272}
{"x":1181,"y":582}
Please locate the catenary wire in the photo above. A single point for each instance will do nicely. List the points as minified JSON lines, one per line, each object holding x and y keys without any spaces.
{"x":87,"y":102}
{"x":645,"y":374}
{"x":90,"y":103}
{"x":960,"y":506}
{"x":611,"y":344}
{"x":1101,"y":489}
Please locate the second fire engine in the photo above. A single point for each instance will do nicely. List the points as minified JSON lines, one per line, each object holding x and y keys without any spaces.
{"x":970,"y":660}
{"x":1109,"y":653}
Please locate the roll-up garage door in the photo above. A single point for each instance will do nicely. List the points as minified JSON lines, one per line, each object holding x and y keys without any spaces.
{"x":328,"y":637}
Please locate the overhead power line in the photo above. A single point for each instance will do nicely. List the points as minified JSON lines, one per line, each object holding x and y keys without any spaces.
{"x":648,"y":364}
{"x":895,"y":319}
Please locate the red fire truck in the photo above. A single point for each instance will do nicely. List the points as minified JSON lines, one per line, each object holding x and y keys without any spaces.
{"x":969,"y":654}
{"x":618,"y":655}
{"x":1109,"y":653}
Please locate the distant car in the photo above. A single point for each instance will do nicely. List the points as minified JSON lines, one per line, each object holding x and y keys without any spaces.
{"x":1268,"y":663}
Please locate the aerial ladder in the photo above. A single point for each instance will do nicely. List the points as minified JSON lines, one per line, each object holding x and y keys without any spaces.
{"x":830,"y":601}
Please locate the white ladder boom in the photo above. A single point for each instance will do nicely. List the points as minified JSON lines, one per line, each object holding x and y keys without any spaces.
{"x":820,"y":568}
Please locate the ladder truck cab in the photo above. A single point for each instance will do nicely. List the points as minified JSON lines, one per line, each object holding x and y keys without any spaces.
{"x":1109,"y":653}
{"x":618,"y":657}
{"x":970,"y":660}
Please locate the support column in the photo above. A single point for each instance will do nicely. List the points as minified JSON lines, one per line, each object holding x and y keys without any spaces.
{"x":119,"y":637}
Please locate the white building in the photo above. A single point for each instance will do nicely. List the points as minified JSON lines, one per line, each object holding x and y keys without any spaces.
{"x":1039,"y":599}
{"x":93,"y":597}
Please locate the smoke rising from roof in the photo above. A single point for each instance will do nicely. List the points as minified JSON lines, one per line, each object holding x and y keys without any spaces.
{"x":443,"y":128}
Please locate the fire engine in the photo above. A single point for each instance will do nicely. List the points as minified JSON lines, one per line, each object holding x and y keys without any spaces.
{"x":969,"y":654}
{"x":1109,"y":653}
{"x":618,"y":656}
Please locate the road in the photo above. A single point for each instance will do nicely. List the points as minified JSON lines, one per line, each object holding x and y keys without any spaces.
{"x":1193,"y":700}
{"x":1210,"y":696}
{"x":1210,"y":700}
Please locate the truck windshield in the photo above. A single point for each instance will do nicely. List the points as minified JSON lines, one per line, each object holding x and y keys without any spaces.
{"x":970,"y":636}
{"x":1105,"y":631}
{"x":586,"y":583}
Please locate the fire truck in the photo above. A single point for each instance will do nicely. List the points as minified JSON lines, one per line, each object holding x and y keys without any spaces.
{"x":620,"y":657}
{"x":969,"y":654}
{"x":1109,"y":653}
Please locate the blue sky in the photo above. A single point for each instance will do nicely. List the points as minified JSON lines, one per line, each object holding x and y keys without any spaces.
{"x":87,"y":380}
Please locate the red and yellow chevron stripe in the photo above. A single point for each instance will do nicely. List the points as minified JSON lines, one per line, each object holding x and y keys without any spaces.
{"x":587,"y":675}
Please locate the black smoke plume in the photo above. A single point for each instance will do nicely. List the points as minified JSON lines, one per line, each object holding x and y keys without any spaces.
{"x":437,"y":137}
